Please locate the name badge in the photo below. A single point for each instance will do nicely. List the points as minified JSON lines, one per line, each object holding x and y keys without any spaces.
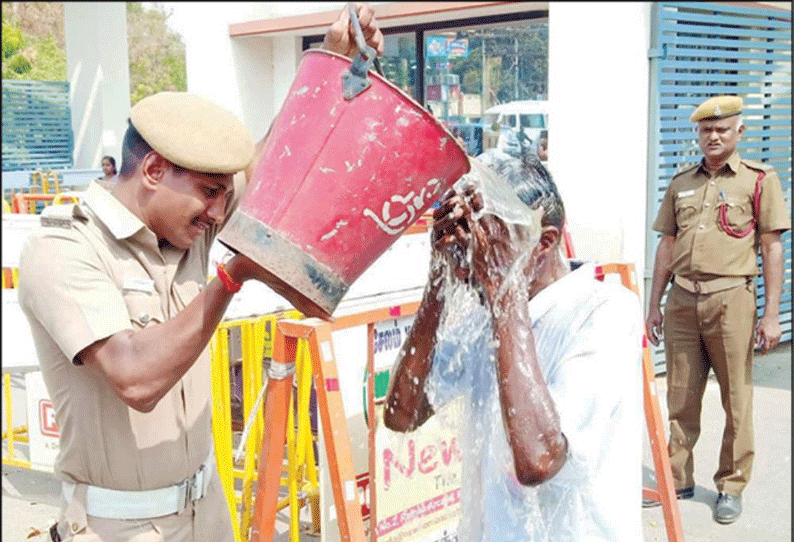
{"x":686,"y":193}
{"x":139,"y":285}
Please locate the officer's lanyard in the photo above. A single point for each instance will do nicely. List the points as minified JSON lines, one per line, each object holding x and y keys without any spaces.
{"x":756,"y":204}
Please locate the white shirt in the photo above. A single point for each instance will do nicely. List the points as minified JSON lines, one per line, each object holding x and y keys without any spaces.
{"x":588,"y":340}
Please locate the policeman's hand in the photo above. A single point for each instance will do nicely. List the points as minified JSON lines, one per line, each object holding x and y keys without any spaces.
{"x":341,"y":37}
{"x":767,"y":333}
{"x":653,"y":325}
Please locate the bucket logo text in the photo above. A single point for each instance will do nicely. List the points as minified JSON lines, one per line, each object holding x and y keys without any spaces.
{"x":399,"y":212}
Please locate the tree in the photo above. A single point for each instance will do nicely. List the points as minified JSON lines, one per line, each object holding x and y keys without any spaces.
{"x":34,"y":46}
{"x":157,"y":53}
{"x":33,"y":41}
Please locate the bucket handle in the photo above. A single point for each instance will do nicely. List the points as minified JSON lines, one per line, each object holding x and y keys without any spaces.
{"x":355,"y":81}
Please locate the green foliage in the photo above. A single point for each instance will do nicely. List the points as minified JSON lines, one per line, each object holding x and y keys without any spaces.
{"x":33,"y":46}
{"x":157,"y":54}
{"x":30,"y":57}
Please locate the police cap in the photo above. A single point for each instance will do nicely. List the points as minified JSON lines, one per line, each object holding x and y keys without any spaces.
{"x":717,"y":107}
{"x":193,"y":132}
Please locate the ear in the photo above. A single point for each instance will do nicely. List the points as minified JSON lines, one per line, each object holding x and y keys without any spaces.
{"x":549,"y":237}
{"x":153,"y":168}
{"x":740,"y":130}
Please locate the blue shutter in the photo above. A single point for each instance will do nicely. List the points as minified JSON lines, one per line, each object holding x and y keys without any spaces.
{"x":701,"y":50}
{"x":37,"y":125}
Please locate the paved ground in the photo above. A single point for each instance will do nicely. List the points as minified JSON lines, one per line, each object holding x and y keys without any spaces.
{"x":30,"y":498}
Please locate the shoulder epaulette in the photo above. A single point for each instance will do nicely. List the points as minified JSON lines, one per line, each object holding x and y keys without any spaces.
{"x":60,"y":216}
{"x":754,"y":164}
{"x":686,"y":167}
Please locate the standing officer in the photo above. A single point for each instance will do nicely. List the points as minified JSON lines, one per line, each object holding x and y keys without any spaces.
{"x":121,"y":312}
{"x":713,"y":218}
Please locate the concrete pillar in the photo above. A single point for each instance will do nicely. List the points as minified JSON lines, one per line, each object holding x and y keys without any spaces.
{"x":97,"y":67}
{"x":598,"y":124}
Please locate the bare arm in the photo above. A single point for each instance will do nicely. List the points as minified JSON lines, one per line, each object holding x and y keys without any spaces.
{"x":407,"y":405}
{"x":531,"y":421}
{"x":528,"y":411}
{"x":661,"y":276}
{"x":143,"y":365}
{"x":768,"y":330}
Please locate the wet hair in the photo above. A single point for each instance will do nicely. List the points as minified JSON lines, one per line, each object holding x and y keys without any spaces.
{"x":133,"y":150}
{"x":531,"y":181}
{"x":112,"y":162}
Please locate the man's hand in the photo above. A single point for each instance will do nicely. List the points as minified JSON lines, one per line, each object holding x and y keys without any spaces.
{"x":340,"y":37}
{"x":450,"y":235}
{"x":653,"y":325}
{"x":767,"y":333}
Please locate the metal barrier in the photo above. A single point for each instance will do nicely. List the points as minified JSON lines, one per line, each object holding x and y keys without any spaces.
{"x":13,"y":434}
{"x":239,"y":468}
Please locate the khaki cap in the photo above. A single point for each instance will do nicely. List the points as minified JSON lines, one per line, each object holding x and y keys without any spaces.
{"x":193,"y":132}
{"x":718,"y":107}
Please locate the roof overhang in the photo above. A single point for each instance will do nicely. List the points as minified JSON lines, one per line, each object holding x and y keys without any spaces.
{"x":389,"y":14}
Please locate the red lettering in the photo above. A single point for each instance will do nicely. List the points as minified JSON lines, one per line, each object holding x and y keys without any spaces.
{"x":389,"y":460}
{"x":448,"y":453}
{"x":427,"y":455}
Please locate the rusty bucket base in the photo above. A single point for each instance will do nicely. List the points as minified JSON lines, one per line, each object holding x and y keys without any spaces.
{"x":309,"y":285}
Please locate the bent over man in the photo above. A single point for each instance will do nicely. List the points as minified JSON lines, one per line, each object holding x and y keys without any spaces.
{"x":116,"y":293}
{"x":547,"y":361}
{"x":713,"y":218}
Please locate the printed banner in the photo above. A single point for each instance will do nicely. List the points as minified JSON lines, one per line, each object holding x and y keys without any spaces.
{"x":42,"y":428}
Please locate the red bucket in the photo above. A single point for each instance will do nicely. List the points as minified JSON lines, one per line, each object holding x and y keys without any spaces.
{"x":339,"y":180}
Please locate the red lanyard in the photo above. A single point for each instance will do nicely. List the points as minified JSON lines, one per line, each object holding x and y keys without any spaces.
{"x":756,"y":203}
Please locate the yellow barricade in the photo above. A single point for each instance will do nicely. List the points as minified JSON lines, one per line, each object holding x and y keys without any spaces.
{"x":238,"y":470}
{"x":13,"y":434}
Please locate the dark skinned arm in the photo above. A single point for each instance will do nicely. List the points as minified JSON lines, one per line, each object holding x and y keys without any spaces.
{"x":661,"y":276}
{"x":407,"y":405}
{"x":531,"y":421}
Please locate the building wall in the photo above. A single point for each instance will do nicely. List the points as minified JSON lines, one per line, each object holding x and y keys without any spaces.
{"x":598,"y":124}
{"x":97,"y":67}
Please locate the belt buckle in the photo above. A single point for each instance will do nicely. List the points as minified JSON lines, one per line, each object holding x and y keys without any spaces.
{"x":696,"y":285}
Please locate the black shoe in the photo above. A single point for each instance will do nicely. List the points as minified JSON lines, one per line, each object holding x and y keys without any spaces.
{"x":728,"y":508}
{"x":683,"y":493}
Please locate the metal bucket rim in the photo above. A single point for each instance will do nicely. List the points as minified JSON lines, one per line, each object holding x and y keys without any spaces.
{"x":407,"y":97}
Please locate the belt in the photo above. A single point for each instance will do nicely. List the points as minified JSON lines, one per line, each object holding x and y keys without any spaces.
{"x":709,"y":286}
{"x":118,"y":504}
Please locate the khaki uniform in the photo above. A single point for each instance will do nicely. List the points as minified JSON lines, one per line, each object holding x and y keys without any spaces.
{"x":91,"y":271}
{"x":714,"y":329}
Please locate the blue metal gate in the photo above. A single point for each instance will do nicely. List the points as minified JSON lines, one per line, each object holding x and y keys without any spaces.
{"x":37,"y":125}
{"x":704,"y":49}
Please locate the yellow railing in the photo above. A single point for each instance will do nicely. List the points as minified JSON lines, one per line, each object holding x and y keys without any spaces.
{"x":12,"y":434}
{"x":301,"y":480}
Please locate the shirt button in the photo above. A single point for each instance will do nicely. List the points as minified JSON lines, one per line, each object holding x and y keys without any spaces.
{"x":144,"y":317}
{"x":75,"y":527}
{"x":701,"y":226}
{"x":712,"y":183}
{"x":706,"y":204}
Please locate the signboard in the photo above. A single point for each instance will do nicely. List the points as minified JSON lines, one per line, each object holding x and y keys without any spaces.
{"x":42,"y":428}
{"x":436,"y":46}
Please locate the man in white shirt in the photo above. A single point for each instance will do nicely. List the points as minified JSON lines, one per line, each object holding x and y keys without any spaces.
{"x":548,"y":361}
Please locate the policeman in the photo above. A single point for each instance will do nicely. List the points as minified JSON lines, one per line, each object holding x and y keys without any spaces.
{"x":121,"y":312}
{"x":713,"y":218}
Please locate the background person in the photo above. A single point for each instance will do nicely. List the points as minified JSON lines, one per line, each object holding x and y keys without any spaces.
{"x":121,"y":313}
{"x":547,"y":360}
{"x":108,"y":178}
{"x":713,"y":218}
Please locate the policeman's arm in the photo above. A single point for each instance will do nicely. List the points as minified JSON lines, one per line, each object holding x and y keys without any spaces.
{"x":142,"y":365}
{"x":661,"y":276}
{"x":769,"y":330}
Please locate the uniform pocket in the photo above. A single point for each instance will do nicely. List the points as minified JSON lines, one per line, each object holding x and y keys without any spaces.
{"x":738,"y":214}
{"x":685,"y":212}
{"x":144,"y":309}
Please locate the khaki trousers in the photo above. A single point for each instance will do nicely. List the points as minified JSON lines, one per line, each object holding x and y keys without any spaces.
{"x":702,"y":332}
